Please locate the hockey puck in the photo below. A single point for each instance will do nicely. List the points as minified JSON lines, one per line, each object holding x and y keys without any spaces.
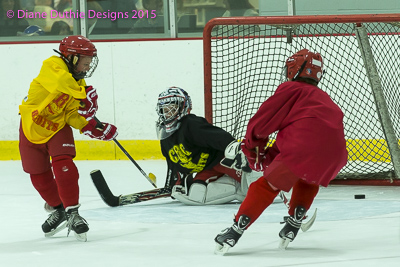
{"x":359,"y":196}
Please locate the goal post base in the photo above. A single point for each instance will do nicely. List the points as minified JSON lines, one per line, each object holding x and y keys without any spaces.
{"x":374,"y":182}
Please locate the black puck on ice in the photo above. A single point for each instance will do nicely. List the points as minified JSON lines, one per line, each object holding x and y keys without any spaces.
{"x":359,"y":196}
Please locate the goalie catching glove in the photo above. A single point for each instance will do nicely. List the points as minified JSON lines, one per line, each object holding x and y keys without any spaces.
{"x":234,"y":158}
{"x":103,"y":131}
{"x":88,"y":106}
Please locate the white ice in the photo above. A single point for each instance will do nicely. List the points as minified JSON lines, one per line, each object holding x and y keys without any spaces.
{"x":164,"y":232}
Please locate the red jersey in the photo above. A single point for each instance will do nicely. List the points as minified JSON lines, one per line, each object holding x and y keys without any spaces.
{"x":310,"y":140}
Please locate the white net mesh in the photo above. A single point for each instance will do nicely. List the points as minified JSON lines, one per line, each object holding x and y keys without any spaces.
{"x":246,"y":68}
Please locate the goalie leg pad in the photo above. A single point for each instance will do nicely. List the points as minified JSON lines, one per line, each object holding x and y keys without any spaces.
{"x":196,"y":195}
{"x":197,"y":192}
{"x":221,"y":191}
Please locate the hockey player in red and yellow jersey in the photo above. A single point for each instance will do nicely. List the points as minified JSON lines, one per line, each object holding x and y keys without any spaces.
{"x":58,"y":99}
{"x":309,"y":150}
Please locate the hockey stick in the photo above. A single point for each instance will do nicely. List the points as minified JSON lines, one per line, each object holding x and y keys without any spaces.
{"x":151,"y":177}
{"x":304,"y":225}
{"x":113,"y":201}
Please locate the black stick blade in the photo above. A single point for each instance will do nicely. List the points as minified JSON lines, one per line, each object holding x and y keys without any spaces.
{"x":103,"y":189}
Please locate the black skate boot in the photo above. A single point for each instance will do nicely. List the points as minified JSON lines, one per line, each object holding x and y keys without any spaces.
{"x":230,"y":236}
{"x":56,"y":222}
{"x":76,"y":223}
{"x":292,"y":226}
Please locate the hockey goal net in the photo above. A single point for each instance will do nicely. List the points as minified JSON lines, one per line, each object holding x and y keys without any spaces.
{"x":243,"y":63}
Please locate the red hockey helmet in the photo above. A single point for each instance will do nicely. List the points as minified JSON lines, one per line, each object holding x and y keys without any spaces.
{"x":77,"y":45}
{"x":72,"y":48}
{"x":304,"y":64}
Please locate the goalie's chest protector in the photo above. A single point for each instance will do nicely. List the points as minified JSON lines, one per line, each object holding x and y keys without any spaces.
{"x":196,"y":145}
{"x":310,"y":140}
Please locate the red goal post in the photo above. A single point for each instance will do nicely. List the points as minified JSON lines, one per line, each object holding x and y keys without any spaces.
{"x":243,"y":62}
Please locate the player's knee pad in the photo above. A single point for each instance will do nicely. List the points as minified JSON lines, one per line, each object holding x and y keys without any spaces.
{"x":66,"y":175}
{"x":64,"y":169}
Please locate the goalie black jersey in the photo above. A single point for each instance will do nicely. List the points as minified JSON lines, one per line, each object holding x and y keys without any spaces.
{"x":197,"y":145}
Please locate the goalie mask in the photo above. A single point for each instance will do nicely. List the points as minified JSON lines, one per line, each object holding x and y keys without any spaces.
{"x":304,"y":64}
{"x":77,"y":48}
{"x":173,"y":104}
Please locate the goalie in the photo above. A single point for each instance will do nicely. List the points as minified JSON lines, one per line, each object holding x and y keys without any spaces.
{"x":191,"y":146}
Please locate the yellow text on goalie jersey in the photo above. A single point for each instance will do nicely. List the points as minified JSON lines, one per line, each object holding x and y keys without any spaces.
{"x":178,"y":154}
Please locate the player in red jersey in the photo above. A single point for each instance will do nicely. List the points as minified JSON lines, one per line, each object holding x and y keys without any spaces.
{"x":309,"y":151}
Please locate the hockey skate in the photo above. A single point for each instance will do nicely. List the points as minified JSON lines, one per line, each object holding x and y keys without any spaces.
{"x":229,"y":237}
{"x":55,"y":223}
{"x":48,"y":208}
{"x":292,"y":226}
{"x":76,"y":223}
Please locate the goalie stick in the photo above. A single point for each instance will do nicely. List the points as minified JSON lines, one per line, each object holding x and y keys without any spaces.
{"x":114,"y":201}
{"x":304,"y":225}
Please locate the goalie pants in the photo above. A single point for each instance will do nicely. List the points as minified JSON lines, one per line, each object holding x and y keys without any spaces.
{"x":260,"y":195}
{"x":60,"y":184}
{"x":216,"y":172}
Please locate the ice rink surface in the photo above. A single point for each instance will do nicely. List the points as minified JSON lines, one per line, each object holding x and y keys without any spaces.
{"x":164,"y":232}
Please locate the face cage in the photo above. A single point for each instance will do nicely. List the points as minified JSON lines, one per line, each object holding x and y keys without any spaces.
{"x":82,"y":75}
{"x":284,"y":75}
{"x":170,"y":112}
{"x":169,"y":115}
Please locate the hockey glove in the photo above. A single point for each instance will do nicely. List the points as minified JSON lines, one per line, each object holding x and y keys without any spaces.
{"x":88,"y":106}
{"x":255,"y":155}
{"x":234,"y":158}
{"x":105,"y":132}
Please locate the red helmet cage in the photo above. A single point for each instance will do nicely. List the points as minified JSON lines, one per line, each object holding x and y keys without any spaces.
{"x":304,"y":64}
{"x":77,"y":45}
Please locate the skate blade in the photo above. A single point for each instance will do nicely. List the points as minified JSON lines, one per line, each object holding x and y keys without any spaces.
{"x":57,"y":230}
{"x":81,"y":237}
{"x":283,"y":244}
{"x":307,"y":225}
{"x":221,"y":250}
